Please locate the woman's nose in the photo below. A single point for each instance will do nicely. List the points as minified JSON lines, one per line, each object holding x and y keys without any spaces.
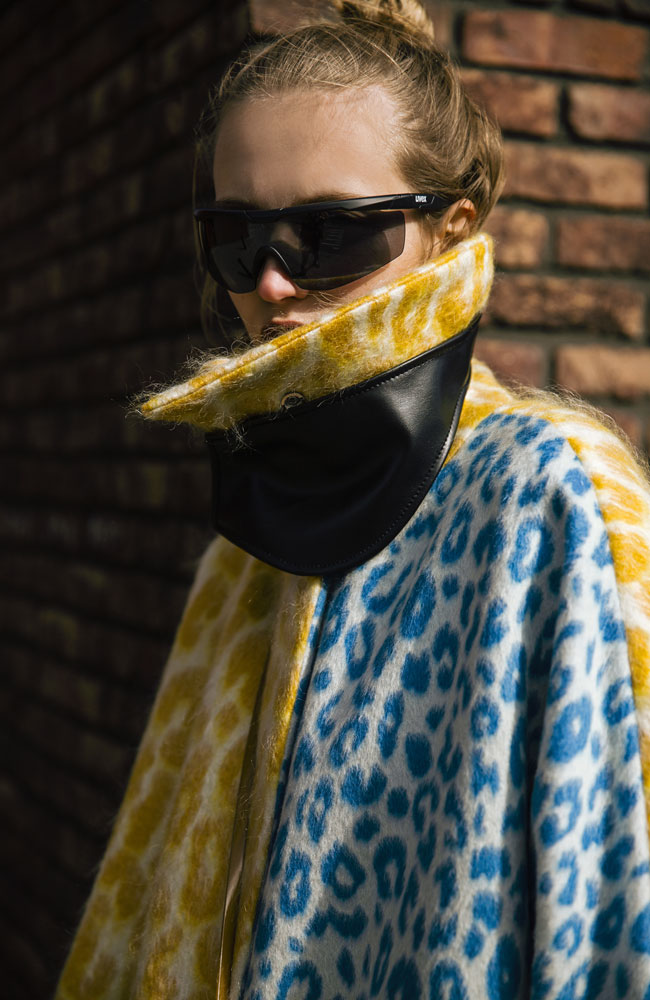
{"x":274,"y":284}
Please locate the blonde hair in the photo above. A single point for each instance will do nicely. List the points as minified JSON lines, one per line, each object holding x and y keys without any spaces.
{"x":445,"y":144}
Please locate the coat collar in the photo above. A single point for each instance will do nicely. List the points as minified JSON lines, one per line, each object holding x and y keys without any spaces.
{"x":350,"y":345}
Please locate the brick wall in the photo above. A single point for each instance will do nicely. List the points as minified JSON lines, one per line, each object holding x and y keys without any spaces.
{"x":102,"y":518}
{"x":569,"y":83}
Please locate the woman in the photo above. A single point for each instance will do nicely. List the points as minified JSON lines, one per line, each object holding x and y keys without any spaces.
{"x":395,"y":751}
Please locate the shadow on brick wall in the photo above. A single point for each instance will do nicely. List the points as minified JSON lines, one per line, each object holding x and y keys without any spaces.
{"x":101,"y":517}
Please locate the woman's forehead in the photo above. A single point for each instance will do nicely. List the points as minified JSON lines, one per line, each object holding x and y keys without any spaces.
{"x":298,"y":146}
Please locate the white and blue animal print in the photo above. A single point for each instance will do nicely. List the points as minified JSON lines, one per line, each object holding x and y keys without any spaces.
{"x":461,"y":814}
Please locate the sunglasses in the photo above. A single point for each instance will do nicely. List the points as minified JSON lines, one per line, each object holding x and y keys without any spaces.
{"x":320,"y":246}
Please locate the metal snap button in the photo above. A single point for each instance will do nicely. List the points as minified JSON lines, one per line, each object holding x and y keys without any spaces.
{"x":291,"y":399}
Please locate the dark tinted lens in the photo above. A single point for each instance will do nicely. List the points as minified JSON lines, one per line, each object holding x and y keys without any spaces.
{"x":348,"y":246}
{"x":320,"y":250}
{"x":229,"y":244}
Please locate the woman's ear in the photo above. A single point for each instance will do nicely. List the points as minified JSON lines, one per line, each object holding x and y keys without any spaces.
{"x":458,"y":219}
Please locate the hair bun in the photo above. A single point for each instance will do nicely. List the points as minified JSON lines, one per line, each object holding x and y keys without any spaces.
{"x":406,"y":17}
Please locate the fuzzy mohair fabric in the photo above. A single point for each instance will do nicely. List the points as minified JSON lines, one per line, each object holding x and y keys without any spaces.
{"x":353,"y":343}
{"x":463,"y":813}
{"x":153,"y":922}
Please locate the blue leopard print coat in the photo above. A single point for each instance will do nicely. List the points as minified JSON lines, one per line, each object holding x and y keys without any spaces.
{"x":461,"y":812}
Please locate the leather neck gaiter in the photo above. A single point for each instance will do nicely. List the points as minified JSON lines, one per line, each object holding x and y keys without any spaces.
{"x":324,"y":441}
{"x":325,"y":485}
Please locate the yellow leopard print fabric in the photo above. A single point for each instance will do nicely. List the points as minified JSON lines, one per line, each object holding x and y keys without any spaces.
{"x":152,"y":927}
{"x":356,"y":342}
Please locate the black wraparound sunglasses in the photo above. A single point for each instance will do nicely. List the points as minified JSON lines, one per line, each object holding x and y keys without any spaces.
{"x":321,"y":245}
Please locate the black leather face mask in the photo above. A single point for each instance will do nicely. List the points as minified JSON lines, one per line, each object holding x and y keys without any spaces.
{"x":324,"y":485}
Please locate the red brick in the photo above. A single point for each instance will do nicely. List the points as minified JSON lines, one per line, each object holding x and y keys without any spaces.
{"x":96,"y":702}
{"x":106,"y":100}
{"x":168,"y":180}
{"x":80,"y":431}
{"x":151,"y":246}
{"x":93,"y":377}
{"x":442,"y":15}
{"x":48,"y":34}
{"x":77,"y":799}
{"x":521,"y":237}
{"x":57,"y":839}
{"x":162,"y":244}
{"x":513,"y":361}
{"x":114,"y":204}
{"x":78,"y":748}
{"x":140,"y":133}
{"x":123,"y":539}
{"x":111,"y":95}
{"x":88,"y":164}
{"x":133,"y":598}
{"x":90,"y":56}
{"x":573,"y":176}
{"x":141,"y":484}
{"x":53,"y":683}
{"x":270,"y":17}
{"x":168,"y":16}
{"x":110,"y":652}
{"x":114,"y":315}
{"x":583,"y":304}
{"x":172,"y":303}
{"x":541,"y":40}
{"x":604,"y":242}
{"x":74,"y":222}
{"x":186,"y":51}
{"x":604,"y":371}
{"x":617,"y":113}
{"x":86,"y":271}
{"x":519,"y":103}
